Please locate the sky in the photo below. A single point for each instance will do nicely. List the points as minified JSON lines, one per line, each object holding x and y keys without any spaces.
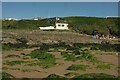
{"x":27,"y":10}
{"x":60,"y":0}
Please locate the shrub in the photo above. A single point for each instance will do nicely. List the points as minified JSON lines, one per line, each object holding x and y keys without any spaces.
{"x":68,"y":56}
{"x":6,"y":68}
{"x":76,"y":55}
{"x":7,"y":76}
{"x":12,"y":63}
{"x":46,"y":63}
{"x":26,"y":79}
{"x":88,"y":56}
{"x":71,"y":74}
{"x":16,"y":46}
{"x":54,"y":77}
{"x":104,"y":66}
{"x":78,"y":67}
{"x":44,"y":59}
{"x":94,"y":48}
{"x":12,"y":56}
{"x":40,"y":54}
{"x":6,"y":47}
{"x":94,"y":76}
{"x":30,"y":70}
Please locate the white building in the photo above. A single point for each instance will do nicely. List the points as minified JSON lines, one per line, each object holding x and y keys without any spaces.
{"x":10,"y":19}
{"x":58,"y":26}
{"x":37,"y":18}
{"x":47,"y":28}
{"x":61,"y":26}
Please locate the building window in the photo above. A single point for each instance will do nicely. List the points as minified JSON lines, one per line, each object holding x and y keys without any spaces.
{"x":59,"y":25}
{"x":62,"y":25}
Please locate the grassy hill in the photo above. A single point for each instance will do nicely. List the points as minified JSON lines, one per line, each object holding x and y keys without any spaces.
{"x":78,"y":24}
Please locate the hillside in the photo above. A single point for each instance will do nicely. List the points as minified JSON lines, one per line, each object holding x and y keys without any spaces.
{"x":78,"y":24}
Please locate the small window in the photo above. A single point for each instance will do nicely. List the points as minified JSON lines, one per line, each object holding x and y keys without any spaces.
{"x":62,"y":25}
{"x":59,"y":25}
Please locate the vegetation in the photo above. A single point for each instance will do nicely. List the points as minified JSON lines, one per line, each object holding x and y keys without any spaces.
{"x":44,"y":59}
{"x":79,"y":55}
{"x":71,"y":74}
{"x":30,"y":70}
{"x":78,"y":67}
{"x":88,"y":56}
{"x":54,"y":77}
{"x":12,"y":63}
{"x":10,"y":46}
{"x":21,"y":44}
{"x":88,"y":24}
{"x":6,"y":76}
{"x":104,"y":66}
{"x":6,"y":68}
{"x":40,"y":54}
{"x":12,"y":56}
{"x":78,"y":24}
{"x":90,"y":76}
{"x":69,"y":57}
{"x":107,"y":47}
{"x":94,"y":76}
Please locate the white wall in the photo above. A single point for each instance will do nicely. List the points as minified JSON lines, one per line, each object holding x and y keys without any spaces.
{"x":47,"y":28}
{"x":62,"y":26}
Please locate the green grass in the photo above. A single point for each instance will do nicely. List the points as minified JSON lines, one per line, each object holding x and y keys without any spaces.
{"x":12,"y":63}
{"x":12,"y":56}
{"x":12,"y":47}
{"x":45,"y":59}
{"x":54,"y":77}
{"x":40,"y":54}
{"x":104,"y":66}
{"x":68,"y":56}
{"x":5,"y":76}
{"x":6,"y":68}
{"x":95,"y":75}
{"x":53,"y":50}
{"x":47,"y":63}
{"x":78,"y":67}
{"x":71,"y":74}
{"x":79,"y":55}
{"x":29,"y":70}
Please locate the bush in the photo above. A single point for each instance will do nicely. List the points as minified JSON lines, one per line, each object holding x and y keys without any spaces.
{"x":78,"y":67}
{"x":16,"y":46}
{"x":88,"y":56}
{"x":68,"y":56}
{"x":44,"y":59}
{"x":40,"y":54}
{"x":104,"y":66}
{"x":7,"y":76}
{"x":94,"y":48}
{"x":54,"y":77}
{"x":94,"y":76}
{"x":12,"y":56}
{"x":12,"y":63}
{"x":77,"y":55}
{"x":47,"y":63}
{"x":71,"y":74}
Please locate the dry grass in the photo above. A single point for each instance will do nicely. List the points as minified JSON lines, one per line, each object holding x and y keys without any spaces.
{"x":38,"y":37}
